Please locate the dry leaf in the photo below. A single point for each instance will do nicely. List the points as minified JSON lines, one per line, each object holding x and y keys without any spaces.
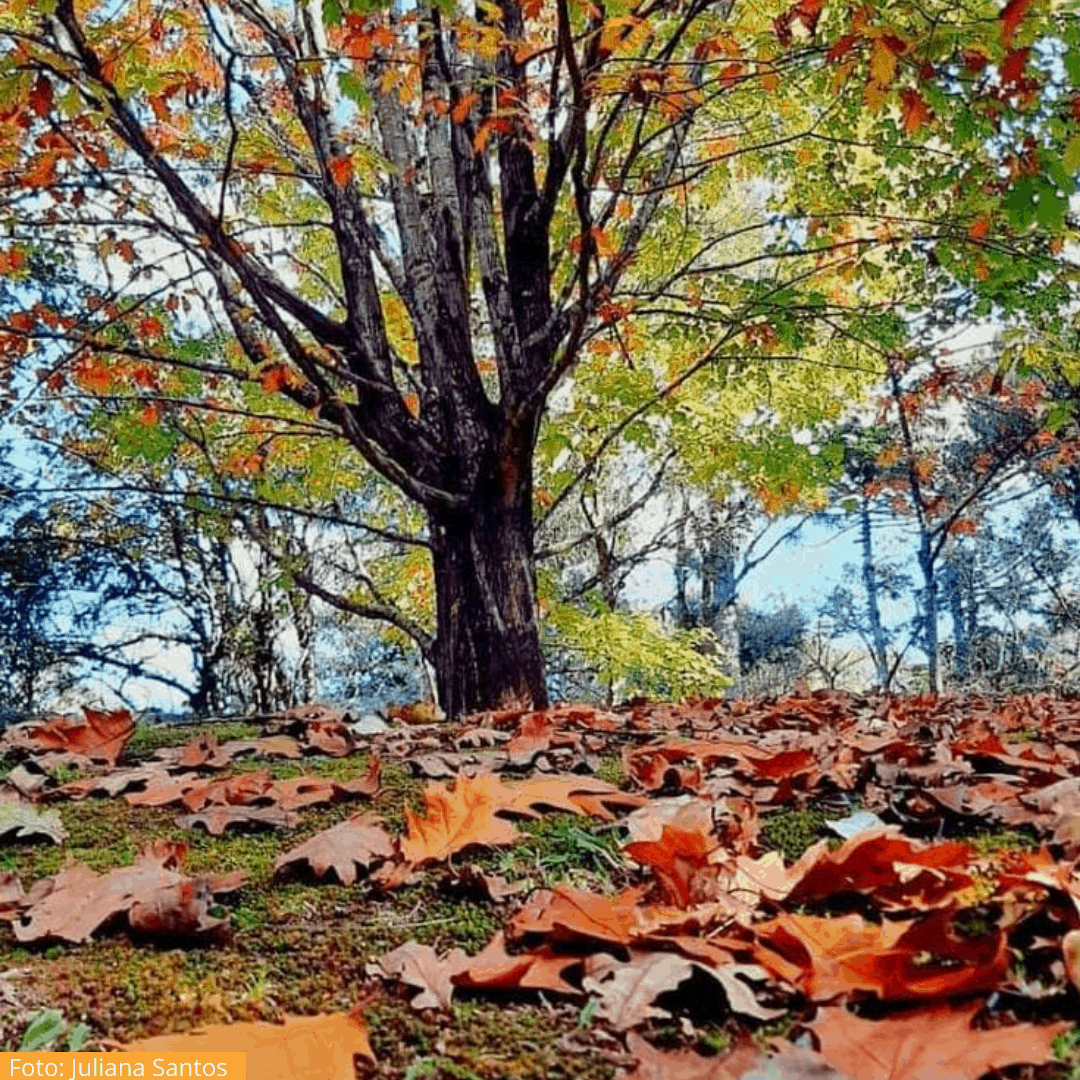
{"x":934,"y":1043}
{"x":419,"y":965}
{"x":308,"y":1047}
{"x":343,"y":849}
{"x":456,"y":819}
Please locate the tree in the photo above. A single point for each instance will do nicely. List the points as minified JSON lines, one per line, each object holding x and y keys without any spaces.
{"x":410,"y":222}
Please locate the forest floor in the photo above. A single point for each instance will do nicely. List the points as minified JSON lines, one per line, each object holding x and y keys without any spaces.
{"x":829,"y":885}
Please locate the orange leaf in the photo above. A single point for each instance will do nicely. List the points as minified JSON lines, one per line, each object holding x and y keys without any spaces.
{"x":461,"y":110}
{"x":340,"y":169}
{"x":275,"y":378}
{"x":41,"y":171}
{"x":314,"y":1047}
{"x":916,"y":111}
{"x":100,"y":736}
{"x":979,"y":228}
{"x":456,"y":819}
{"x":11,"y":261}
{"x":938,"y":1041}
{"x":151,"y":327}
{"x":412,"y":403}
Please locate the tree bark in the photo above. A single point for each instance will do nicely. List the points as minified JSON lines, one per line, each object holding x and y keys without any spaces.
{"x":488,"y":647}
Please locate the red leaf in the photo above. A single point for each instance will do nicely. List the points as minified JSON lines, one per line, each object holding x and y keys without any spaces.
{"x":1012,"y":67}
{"x":1012,"y":15}
{"x":916,"y":111}
{"x":340,"y":169}
{"x":842,"y":47}
{"x":41,"y":96}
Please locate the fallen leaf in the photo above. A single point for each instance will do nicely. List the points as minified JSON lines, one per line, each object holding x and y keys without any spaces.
{"x":77,"y":903}
{"x":99,"y":736}
{"x":352,"y":845}
{"x":543,"y":968}
{"x":216,"y":819}
{"x":420,"y":966}
{"x":932,"y":1043}
{"x":456,"y":819}
{"x":626,"y":990}
{"x":21,"y":821}
{"x":653,"y":1064}
{"x":308,"y":1047}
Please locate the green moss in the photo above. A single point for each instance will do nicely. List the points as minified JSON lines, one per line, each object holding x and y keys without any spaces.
{"x":792,"y":831}
{"x":611,"y":770}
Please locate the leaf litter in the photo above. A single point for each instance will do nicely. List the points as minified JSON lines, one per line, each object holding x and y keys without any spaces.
{"x":891,"y":951}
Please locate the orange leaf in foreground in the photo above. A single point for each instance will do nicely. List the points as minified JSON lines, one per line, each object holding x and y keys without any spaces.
{"x":936,"y":1043}
{"x":456,"y":819}
{"x":312,"y":1047}
{"x":680,"y":858}
{"x":827,"y":958}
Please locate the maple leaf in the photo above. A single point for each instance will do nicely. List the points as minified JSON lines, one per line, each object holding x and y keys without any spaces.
{"x":342,"y":849}
{"x":456,"y":819}
{"x":932,"y":1043}
{"x":313,"y":1047}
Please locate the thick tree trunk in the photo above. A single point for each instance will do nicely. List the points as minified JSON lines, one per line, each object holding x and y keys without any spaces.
{"x":488,"y":647}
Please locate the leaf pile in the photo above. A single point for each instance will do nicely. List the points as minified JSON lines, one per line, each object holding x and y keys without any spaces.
{"x":891,"y":948}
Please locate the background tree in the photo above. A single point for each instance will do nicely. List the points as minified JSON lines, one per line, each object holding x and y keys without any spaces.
{"x":408,"y":224}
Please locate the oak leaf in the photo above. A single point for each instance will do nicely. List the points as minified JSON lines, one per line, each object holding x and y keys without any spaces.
{"x":542,"y":968}
{"x":313,"y":1047}
{"x":420,"y":966}
{"x":21,"y":821}
{"x":569,"y":914}
{"x":933,"y":1043}
{"x":456,"y":819}
{"x":357,"y":843}
{"x":76,"y":903}
{"x":216,"y":819}
{"x":100,"y":736}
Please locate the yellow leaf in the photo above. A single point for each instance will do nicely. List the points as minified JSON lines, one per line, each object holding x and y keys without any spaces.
{"x":882,"y":64}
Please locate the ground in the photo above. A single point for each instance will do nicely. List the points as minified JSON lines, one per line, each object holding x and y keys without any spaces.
{"x":297,"y":945}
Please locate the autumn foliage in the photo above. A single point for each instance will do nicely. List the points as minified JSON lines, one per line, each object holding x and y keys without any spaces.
{"x":904,"y":920}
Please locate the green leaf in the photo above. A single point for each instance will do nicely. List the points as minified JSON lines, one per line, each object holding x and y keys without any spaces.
{"x":1071,"y":157}
{"x":43,"y":1030}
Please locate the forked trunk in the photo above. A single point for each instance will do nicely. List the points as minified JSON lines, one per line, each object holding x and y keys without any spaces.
{"x":488,"y":648}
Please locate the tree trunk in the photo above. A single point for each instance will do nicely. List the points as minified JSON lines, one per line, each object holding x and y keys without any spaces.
{"x":873,"y":608}
{"x":488,"y":647}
